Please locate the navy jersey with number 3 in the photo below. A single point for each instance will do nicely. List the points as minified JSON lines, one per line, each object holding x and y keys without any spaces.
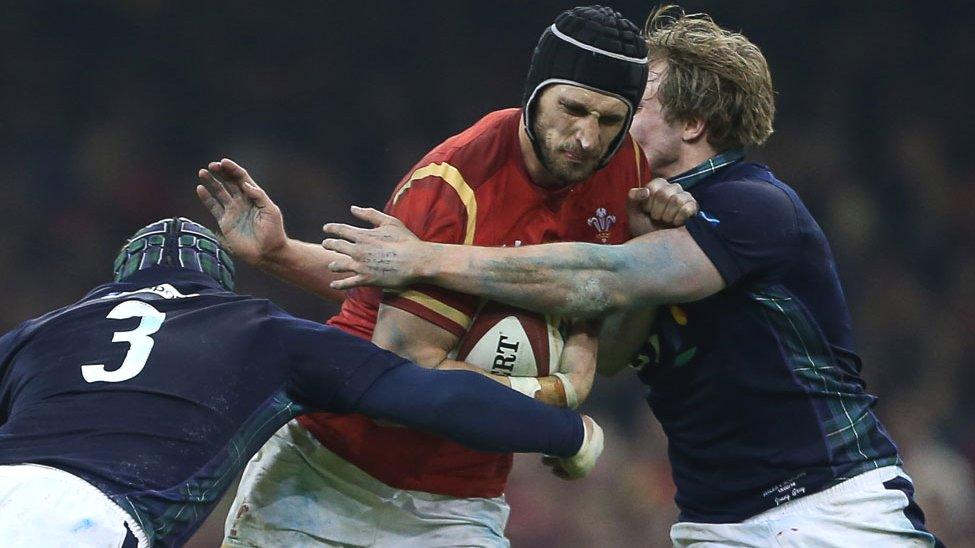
{"x":158,"y":389}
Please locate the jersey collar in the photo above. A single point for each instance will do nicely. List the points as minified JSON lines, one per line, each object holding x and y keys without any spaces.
{"x":187,"y":281}
{"x":707,"y":168}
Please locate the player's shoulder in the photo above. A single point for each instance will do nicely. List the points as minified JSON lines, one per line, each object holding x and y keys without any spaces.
{"x":473,"y":155}
{"x":748,"y":197}
{"x":749,"y":187}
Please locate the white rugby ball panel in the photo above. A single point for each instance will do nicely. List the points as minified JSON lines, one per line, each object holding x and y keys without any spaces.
{"x":511,"y":341}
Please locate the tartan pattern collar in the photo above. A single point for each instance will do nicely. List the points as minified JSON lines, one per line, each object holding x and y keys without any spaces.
{"x":707,"y":168}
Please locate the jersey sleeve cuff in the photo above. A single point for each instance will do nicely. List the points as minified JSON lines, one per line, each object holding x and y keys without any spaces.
{"x":456,"y":318}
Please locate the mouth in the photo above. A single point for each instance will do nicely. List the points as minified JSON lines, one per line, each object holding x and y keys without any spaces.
{"x":574,"y":157}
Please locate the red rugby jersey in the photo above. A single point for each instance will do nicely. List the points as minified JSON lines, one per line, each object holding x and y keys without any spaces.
{"x":472,"y":189}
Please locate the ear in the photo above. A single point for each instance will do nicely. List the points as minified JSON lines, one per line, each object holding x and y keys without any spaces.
{"x":694,"y":129}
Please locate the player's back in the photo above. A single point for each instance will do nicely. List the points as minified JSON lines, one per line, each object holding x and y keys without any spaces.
{"x":161,"y":424}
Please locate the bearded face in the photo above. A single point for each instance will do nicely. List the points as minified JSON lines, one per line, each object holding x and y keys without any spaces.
{"x":575,"y":127}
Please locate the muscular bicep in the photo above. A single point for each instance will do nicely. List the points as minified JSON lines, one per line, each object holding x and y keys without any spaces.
{"x":662,"y":267}
{"x":412,"y":337}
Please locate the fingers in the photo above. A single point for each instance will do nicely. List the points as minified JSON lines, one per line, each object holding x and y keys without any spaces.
{"x":209,"y":201}
{"x":671,"y":208}
{"x":348,"y":283}
{"x":344,"y":231}
{"x":680,"y":207}
{"x":635,"y":199}
{"x":374,"y":216}
{"x":257,"y":194}
{"x":686,"y":211}
{"x":234,"y":170}
{"x":229,"y":181}
{"x":555,"y":465}
{"x":663,"y":202}
{"x":638,"y":194}
{"x":661,"y":192}
{"x":229,"y":171}
{"x":339,"y":246}
{"x":215,"y":188}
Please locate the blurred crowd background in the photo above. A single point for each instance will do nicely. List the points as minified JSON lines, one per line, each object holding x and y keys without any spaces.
{"x":107,"y":110}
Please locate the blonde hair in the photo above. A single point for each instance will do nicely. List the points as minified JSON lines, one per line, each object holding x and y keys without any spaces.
{"x":714,"y":75}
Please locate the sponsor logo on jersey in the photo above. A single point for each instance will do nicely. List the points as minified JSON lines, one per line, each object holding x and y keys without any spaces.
{"x":602,"y":222}
{"x":165,"y":291}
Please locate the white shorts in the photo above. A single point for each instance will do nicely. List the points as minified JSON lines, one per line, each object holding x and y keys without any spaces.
{"x":861,"y":511}
{"x":43,"y":507}
{"x":295,"y":492}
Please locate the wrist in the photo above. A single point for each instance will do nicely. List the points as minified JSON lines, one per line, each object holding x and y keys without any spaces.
{"x":526,"y":385}
{"x":571,"y":396}
{"x":277,"y":258}
{"x":431,"y":258}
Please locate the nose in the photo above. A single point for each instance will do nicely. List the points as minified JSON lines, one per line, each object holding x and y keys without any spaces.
{"x":587,"y":133}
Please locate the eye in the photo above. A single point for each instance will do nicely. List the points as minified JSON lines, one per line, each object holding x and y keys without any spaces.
{"x":611,"y":120}
{"x":575,"y":109}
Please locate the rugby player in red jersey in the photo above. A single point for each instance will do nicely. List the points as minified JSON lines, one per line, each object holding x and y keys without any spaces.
{"x":751,"y":368}
{"x":559,"y":169}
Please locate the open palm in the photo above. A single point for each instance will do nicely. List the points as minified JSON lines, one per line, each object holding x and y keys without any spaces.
{"x":251,"y":223}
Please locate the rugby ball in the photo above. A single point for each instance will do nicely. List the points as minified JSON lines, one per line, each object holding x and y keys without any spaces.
{"x":513,"y":342}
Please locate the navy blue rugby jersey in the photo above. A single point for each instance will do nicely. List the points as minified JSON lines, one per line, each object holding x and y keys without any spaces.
{"x":165,"y":417}
{"x":758,"y":387}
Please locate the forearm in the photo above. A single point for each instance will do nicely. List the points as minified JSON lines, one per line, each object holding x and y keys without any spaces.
{"x":456,"y":365}
{"x":471,"y":410}
{"x":571,"y":279}
{"x":577,"y":279}
{"x":304,"y":265}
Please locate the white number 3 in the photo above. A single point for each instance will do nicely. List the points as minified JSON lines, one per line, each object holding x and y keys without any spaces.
{"x":140,"y":343}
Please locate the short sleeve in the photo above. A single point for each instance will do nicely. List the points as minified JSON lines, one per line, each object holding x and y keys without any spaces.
{"x":746,"y":228}
{"x":436,"y":210}
{"x":328,"y":369}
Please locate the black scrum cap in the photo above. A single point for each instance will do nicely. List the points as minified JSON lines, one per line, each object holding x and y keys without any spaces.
{"x":592,"y":47}
{"x":177,"y":242}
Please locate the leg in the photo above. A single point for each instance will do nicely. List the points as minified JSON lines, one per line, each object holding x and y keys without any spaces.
{"x":288,"y":497}
{"x":43,"y":507}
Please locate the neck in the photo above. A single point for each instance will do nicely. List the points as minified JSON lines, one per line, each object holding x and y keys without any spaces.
{"x":539,"y":175}
{"x":691,"y":155}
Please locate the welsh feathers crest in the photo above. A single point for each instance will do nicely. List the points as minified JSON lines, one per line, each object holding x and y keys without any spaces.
{"x":602,"y":222}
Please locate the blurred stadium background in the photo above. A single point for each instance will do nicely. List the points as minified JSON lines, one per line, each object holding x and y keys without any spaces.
{"x":107,"y":109}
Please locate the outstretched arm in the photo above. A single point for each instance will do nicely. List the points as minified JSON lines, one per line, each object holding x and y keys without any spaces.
{"x":571,"y":279}
{"x":253,"y":229}
{"x":482,"y":414}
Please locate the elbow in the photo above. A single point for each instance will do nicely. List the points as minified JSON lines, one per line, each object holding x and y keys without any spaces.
{"x":596,"y":294}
